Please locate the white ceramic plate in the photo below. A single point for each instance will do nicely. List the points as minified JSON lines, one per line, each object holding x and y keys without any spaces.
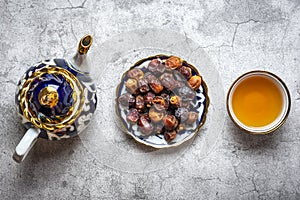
{"x":199,"y":105}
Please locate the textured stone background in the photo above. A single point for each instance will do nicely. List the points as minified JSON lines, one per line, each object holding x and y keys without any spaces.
{"x":239,"y":36}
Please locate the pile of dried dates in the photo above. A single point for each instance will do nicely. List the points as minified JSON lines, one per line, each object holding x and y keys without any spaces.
{"x":159,"y":97}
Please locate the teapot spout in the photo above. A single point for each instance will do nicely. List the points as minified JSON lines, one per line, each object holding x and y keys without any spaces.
{"x":80,"y":59}
{"x":85,"y":44}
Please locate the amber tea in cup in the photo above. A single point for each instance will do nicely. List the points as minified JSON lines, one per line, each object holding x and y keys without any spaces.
{"x":258,"y":102}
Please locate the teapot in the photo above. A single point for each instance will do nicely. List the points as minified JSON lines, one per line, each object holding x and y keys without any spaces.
{"x":55,"y":99}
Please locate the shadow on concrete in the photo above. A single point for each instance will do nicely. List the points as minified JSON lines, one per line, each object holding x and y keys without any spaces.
{"x":45,"y":164}
{"x":254,"y":142}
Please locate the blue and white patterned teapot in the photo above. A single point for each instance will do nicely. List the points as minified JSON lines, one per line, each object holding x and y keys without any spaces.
{"x":56,"y":99}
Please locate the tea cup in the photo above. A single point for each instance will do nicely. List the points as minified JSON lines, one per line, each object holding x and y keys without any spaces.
{"x":258,"y":102}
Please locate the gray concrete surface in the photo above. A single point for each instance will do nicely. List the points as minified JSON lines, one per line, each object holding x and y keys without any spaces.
{"x":239,"y":36}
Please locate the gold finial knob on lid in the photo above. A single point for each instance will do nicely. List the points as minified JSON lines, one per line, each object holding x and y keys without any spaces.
{"x":85,"y":44}
{"x":48,"y":97}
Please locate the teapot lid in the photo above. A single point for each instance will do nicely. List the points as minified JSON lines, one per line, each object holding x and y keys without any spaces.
{"x":50,"y":95}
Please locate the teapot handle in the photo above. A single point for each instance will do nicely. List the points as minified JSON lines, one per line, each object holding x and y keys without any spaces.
{"x":26,"y":144}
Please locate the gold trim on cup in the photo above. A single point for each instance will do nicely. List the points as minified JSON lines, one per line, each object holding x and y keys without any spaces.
{"x":286,"y":96}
